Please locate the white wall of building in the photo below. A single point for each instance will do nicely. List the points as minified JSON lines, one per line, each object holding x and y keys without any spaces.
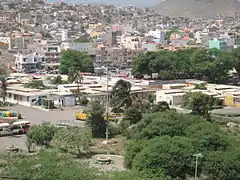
{"x":171,"y":97}
{"x":23,"y":60}
{"x":131,"y":42}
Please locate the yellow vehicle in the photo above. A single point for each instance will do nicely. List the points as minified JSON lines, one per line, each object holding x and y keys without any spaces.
{"x":81,"y":116}
{"x":84,"y":116}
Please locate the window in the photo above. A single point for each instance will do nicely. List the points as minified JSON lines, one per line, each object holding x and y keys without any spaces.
{"x":27,"y":98}
{"x":24,"y":59}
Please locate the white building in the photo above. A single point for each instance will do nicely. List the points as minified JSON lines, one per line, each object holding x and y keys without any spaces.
{"x":172,"y":96}
{"x":157,"y":34}
{"x":131,"y":42}
{"x":29,"y":62}
{"x":29,"y":97}
{"x":60,"y":34}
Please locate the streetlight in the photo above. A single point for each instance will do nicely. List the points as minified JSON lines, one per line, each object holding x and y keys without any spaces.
{"x":198,"y":155}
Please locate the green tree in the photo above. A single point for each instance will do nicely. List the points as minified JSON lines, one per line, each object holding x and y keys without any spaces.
{"x":48,"y":165}
{"x":58,"y":80}
{"x":160,"y":107}
{"x":76,"y":140}
{"x":172,"y":155}
{"x":121,"y":95}
{"x":42,"y":134}
{"x":136,"y":175}
{"x":208,"y":137}
{"x":140,"y":64}
{"x":77,"y":61}
{"x":236,"y":60}
{"x":3,"y":82}
{"x":131,"y":116}
{"x":75,"y":75}
{"x":84,"y":101}
{"x":222,"y":165}
{"x":162,"y":124}
{"x":96,"y":120}
{"x":204,"y":64}
{"x":200,"y":104}
{"x":201,"y":86}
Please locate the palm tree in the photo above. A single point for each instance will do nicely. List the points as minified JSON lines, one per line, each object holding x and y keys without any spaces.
{"x":3,"y":88}
{"x":3,"y":83}
{"x":121,"y":95}
{"x":74,"y":75}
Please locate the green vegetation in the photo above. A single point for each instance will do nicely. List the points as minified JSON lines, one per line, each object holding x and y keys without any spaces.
{"x":35,"y":84}
{"x":74,"y":140}
{"x":136,"y":175}
{"x":236,"y":60}
{"x":203,"y":64}
{"x":73,"y":63}
{"x":96,"y":120}
{"x":159,"y":143}
{"x":77,"y":61}
{"x":84,"y":101}
{"x":48,"y":165}
{"x":167,"y":141}
{"x":58,"y":80}
{"x":42,"y":134}
{"x":201,"y":86}
{"x":3,"y":82}
{"x":121,"y":96}
{"x":201,"y":104}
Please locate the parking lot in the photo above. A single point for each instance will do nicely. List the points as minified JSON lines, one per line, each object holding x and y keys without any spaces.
{"x":37,"y":116}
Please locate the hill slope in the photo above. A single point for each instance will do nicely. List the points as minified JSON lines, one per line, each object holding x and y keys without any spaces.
{"x":197,"y":8}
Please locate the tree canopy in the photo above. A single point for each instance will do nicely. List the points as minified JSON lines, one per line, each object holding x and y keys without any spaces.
{"x":166,"y":141}
{"x":75,"y":61}
{"x":42,"y":134}
{"x":204,"y":64}
{"x":96,"y":120}
{"x":3,"y":82}
{"x":121,"y":95}
{"x":236,"y":60}
{"x":76,"y":140}
{"x":201,"y":104}
{"x":48,"y":165}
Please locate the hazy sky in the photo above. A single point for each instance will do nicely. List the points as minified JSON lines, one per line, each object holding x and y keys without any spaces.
{"x":115,"y":2}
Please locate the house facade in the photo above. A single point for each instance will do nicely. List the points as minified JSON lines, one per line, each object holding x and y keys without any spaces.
{"x":29,"y":62}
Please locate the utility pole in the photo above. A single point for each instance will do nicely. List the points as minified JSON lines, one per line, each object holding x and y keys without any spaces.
{"x":199,"y":155}
{"x":107,"y":104}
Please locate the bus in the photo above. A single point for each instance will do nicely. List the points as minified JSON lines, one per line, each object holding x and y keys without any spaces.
{"x":4,"y":126}
{"x":21,"y":126}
